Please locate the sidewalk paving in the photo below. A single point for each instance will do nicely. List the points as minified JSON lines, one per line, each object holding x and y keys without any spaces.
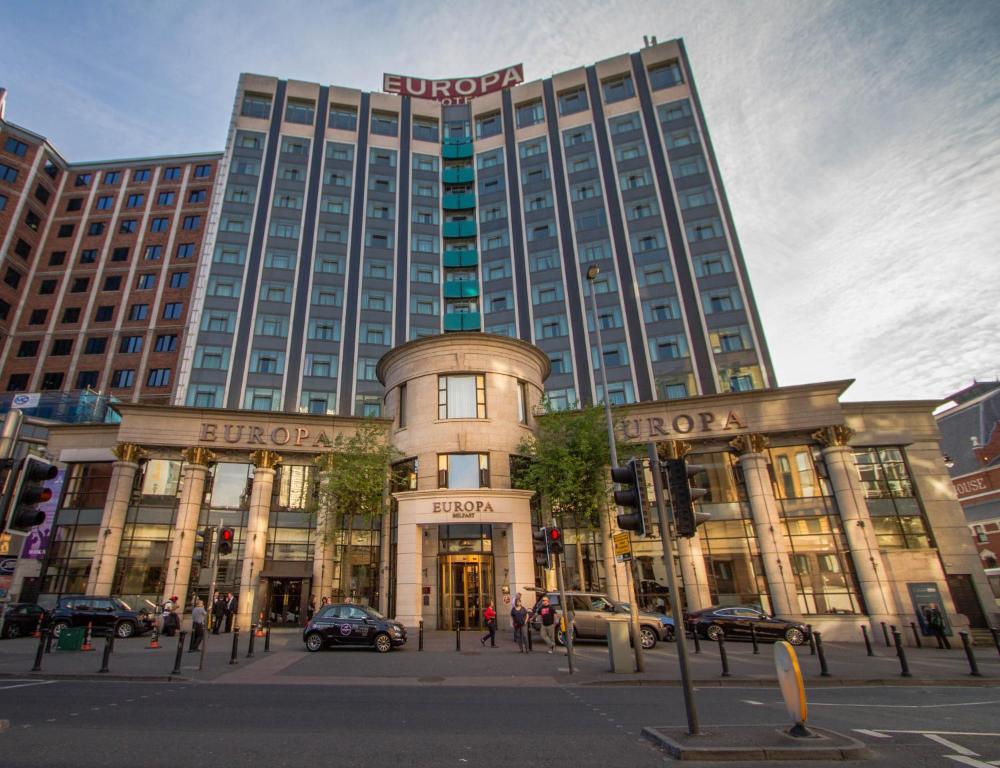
{"x":440,"y":664}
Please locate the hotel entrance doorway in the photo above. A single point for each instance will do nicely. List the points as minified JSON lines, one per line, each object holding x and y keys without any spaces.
{"x":284,"y":601}
{"x":466,"y":587}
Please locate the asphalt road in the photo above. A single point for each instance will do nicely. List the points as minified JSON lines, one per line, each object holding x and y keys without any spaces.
{"x":84,"y":723}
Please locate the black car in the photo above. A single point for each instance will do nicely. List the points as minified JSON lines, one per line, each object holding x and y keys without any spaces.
{"x":21,"y":619}
{"x":733,"y":622}
{"x":105,"y":614}
{"x":357,"y":625}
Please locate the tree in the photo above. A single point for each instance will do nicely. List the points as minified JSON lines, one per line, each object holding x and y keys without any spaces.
{"x":568,"y":468}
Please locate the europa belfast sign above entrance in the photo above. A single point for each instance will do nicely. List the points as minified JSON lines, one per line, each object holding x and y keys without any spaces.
{"x":455,"y":91}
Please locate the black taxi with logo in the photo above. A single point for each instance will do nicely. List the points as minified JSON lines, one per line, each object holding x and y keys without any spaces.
{"x":345,"y":624}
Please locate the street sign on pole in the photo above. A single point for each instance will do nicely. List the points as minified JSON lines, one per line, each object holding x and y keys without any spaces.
{"x":623,"y":547}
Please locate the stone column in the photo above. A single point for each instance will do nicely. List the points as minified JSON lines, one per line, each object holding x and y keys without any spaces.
{"x":694,"y":574}
{"x":850,"y":496}
{"x":196,"y":463}
{"x":322,"y":579}
{"x":109,"y":538}
{"x":521,"y":561}
{"x":767,"y":523}
{"x":255,"y":541}
{"x":409,"y":573}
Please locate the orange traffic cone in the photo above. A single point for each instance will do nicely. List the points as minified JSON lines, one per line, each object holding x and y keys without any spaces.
{"x":152,"y":640}
{"x":260,"y":626}
{"x":86,"y":638}
{"x":38,"y":629}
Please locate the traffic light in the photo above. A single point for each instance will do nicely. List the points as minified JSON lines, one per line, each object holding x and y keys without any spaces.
{"x":683,"y":495}
{"x":226,"y":541}
{"x":24,"y":511}
{"x":630,"y":496}
{"x":553,"y":537}
{"x":203,"y":546}
{"x":540,"y":543}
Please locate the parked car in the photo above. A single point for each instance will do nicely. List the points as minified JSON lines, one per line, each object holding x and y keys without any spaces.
{"x":733,"y":622}
{"x":590,"y":619}
{"x":349,"y":624}
{"x":105,"y":614}
{"x":21,"y":619}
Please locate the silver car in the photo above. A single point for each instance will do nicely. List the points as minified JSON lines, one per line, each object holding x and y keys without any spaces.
{"x":590,"y":618}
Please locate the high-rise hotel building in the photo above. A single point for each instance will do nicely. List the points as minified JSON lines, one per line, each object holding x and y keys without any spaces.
{"x":349,"y":222}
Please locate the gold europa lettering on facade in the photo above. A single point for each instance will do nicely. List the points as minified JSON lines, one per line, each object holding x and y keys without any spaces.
{"x":253,"y":434}
{"x":652,"y":427}
{"x":457,"y":507}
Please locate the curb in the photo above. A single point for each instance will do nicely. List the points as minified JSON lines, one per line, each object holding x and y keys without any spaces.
{"x":837,"y":747}
{"x":888,"y":682}
{"x":96,"y":677}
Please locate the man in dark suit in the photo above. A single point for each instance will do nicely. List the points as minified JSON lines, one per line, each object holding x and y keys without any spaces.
{"x":231,"y":604}
{"x":218,"y":613}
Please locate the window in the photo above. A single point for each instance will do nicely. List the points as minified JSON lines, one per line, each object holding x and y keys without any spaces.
{"x":62,"y":347}
{"x":191,"y":222}
{"x":633,"y":150}
{"x":693,"y":197}
{"x":105,"y":203}
{"x":80,"y":285}
{"x":17,"y":382}
{"x":256,"y":105}
{"x":375,"y":333}
{"x":3,"y":202}
{"x":272,"y":325}
{"x":120,"y":254}
{"x":532,"y":148}
{"x":282,"y":199}
{"x":707,"y":264}
{"x":425,"y":129}
{"x":185,"y":250}
{"x":344,"y":118}
{"x":65,"y":230}
{"x":28,"y":349}
{"x":158,"y":377}
{"x":83,"y":179}
{"x":530,"y":113}
{"x":665,"y":75}
{"x":173,"y":310}
{"x":22,"y":249}
{"x":277,"y":259}
{"x":38,"y":316}
{"x":488,"y":125}
{"x":425,"y":163}
{"x":12,"y":277}
{"x":212,"y":358}
{"x":138,"y":312}
{"x":547,"y":292}
{"x":134,"y":201}
{"x":15,"y":147}
{"x":51,"y":380}
{"x":153,"y":252}
{"x":636,"y":179}
{"x":112,"y":283}
{"x":171,"y":174}
{"x":127,"y":226}
{"x":657,"y":310}
{"x":130,"y":344}
{"x":95,"y":345}
{"x":7,"y":173}
{"x":197,"y":196}
{"x":159,"y":224}
{"x":668,"y":348}
{"x":104,"y":314}
{"x":204,"y":171}
{"x":573,"y":100}
{"x":123,"y":378}
{"x":243,"y":166}
{"x":550,"y":327}
{"x":87,"y":379}
{"x":324,"y":330}
{"x":574,"y":136}
{"x":229,"y":254}
{"x":140,"y":175}
{"x":704,"y":229}
{"x":721,"y":300}
{"x":463,"y":470}
{"x":654,"y":274}
{"x":688,"y":166}
{"x":166,"y":198}
{"x":683,"y":137}
{"x":88,"y":256}
{"x":46,"y":287}
{"x":732,"y":339}
{"x":321,"y":365}
{"x":267,"y":361}
{"x":32,"y":220}
{"x":618,"y":88}
{"x":145,"y":281}
{"x":385,"y":123}
{"x":641,"y":209}
{"x":424,"y":273}
{"x":625,"y":123}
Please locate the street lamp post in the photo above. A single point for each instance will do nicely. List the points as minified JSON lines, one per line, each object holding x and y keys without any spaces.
{"x":640,"y":662}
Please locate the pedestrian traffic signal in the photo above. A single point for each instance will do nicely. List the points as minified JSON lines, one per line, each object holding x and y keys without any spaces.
{"x":203,"y":546}
{"x":553,"y":537}
{"x":683,"y":495}
{"x":226,"y":541}
{"x":630,"y":496}
{"x":24,"y":511}
{"x":540,"y":543}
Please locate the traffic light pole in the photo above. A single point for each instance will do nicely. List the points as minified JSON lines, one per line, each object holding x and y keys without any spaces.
{"x":213,"y":563}
{"x":567,"y":609}
{"x":675,"y":603}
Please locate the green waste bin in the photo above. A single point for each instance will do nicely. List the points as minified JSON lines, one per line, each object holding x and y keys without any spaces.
{"x":70,"y":639}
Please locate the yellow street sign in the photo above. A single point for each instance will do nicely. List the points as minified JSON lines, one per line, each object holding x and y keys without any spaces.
{"x":623,"y":547}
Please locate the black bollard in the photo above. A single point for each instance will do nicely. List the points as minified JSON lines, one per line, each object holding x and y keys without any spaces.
{"x":253,"y":634}
{"x":722,"y":655}
{"x":527,"y":631}
{"x":973,"y":666}
{"x":697,"y":642}
{"x":824,"y":671}
{"x":916,"y":635}
{"x":753,"y":638}
{"x":236,"y":643}
{"x":996,"y":637}
{"x":48,"y":641}
{"x":109,"y":646}
{"x":885,"y":634}
{"x":180,"y":653}
{"x":420,"y":636}
{"x":812,"y":640}
{"x":868,"y":642}
{"x":43,"y":641}
{"x":458,"y":639}
{"x":903,"y":665}
{"x":267,"y":637}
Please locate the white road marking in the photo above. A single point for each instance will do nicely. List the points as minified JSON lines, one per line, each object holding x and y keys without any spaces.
{"x":876,"y":734}
{"x":755,"y":703}
{"x":942,"y":733}
{"x":26,"y":685}
{"x":902,"y":706}
{"x":951,"y":745}
{"x":969,"y":761}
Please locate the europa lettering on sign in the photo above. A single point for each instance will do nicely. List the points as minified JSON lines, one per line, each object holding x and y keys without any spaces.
{"x":653,"y":427}
{"x":462,"y":508}
{"x":253,"y":434}
{"x":454,"y":91}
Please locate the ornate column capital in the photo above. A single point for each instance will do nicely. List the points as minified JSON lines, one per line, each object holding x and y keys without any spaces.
{"x":265,"y":459}
{"x":324,"y":462}
{"x":837,"y":435}
{"x":198,"y":455}
{"x":752,"y":442}
{"x":129,"y":452}
{"x":673,"y":449}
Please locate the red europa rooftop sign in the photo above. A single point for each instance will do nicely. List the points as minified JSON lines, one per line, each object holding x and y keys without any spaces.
{"x":456,"y":91}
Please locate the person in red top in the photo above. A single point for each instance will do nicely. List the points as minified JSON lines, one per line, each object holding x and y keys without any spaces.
{"x":491,"y":626}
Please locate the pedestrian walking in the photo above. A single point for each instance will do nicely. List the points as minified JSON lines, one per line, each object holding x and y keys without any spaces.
{"x":935,"y":620}
{"x":218,"y":613}
{"x":311,"y":609}
{"x":172,"y":620}
{"x":519,"y":618}
{"x":230,"y":606}
{"x":198,"y":616}
{"x":490,"y":615}
{"x":165,"y":610}
{"x":547,"y":613}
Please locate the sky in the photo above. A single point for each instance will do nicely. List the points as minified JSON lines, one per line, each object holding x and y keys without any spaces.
{"x":859,"y":142}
